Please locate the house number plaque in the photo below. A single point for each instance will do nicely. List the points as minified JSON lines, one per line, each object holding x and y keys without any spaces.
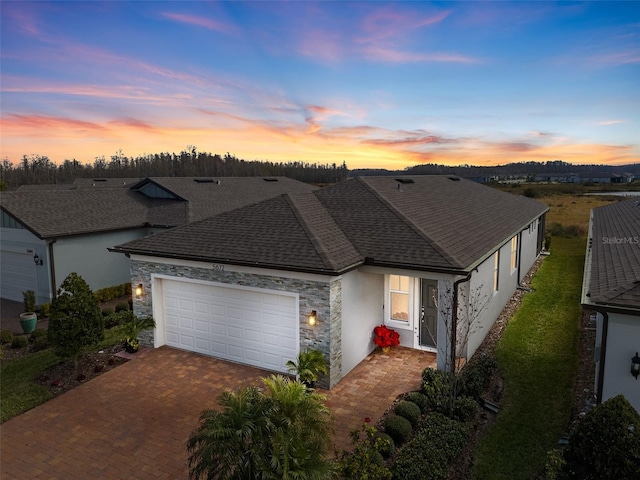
{"x":217,"y":267}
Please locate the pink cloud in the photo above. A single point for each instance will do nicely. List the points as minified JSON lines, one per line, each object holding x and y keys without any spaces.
{"x":610,"y":122}
{"x":35,"y":125}
{"x":200,"y":22}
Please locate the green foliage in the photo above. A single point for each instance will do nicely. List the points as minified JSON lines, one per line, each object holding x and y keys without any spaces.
{"x":122,"y":307}
{"x":570,"y":231}
{"x":408,"y":410}
{"x":6,"y":336}
{"x":365,"y":460}
{"x":29,"y":301}
{"x":44,"y":310}
{"x":419,"y":399}
{"x":436,"y":387}
{"x":75,"y":320}
{"x":388,"y":447}
{"x":309,"y":365}
{"x":38,"y":339}
{"x":115,"y":319}
{"x":19,"y":341}
{"x":475,"y":377}
{"x":135,"y":325}
{"x":398,"y":428}
{"x":37,"y":333}
{"x":531,"y":192}
{"x":555,"y":467}
{"x":111,"y":293}
{"x":107,"y":311}
{"x":606,"y":443}
{"x":465,"y":409}
{"x":284,"y":433}
{"x":430,"y":453}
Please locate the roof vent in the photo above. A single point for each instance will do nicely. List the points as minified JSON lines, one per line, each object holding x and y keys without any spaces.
{"x":454,"y":179}
{"x":405,"y":180}
{"x":270,"y":179}
{"x":203,"y":180}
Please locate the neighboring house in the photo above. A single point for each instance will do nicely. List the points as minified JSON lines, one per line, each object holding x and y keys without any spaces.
{"x":320,"y":270}
{"x":611,"y":288}
{"x":49,"y":231}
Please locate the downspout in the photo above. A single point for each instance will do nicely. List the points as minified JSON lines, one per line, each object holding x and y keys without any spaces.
{"x":52,"y":270}
{"x":454,"y":320}
{"x":519,"y":259}
{"x":603,"y":356}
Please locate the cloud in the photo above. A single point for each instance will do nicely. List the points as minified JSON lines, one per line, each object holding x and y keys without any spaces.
{"x":201,"y":22}
{"x":611,"y":122}
{"x":618,"y":58}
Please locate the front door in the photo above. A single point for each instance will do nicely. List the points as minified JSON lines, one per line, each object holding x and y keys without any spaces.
{"x":428,"y":323}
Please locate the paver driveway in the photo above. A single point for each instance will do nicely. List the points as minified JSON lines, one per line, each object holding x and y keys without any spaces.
{"x":133,"y":422}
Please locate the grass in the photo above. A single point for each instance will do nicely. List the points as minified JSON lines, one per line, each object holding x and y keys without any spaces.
{"x":537,"y":356}
{"x":18,"y":385}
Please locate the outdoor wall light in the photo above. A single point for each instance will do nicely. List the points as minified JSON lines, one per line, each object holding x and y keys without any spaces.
{"x":635,"y":366}
{"x":313,"y":318}
{"x":36,"y":259}
{"x":139,"y":290}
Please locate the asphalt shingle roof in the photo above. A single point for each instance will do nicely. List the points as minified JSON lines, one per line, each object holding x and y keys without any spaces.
{"x":114,"y":205}
{"x":435,"y":222}
{"x":615,"y":254}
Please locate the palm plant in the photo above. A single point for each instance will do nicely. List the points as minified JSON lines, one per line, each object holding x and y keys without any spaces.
{"x":284,"y":433}
{"x":132,"y":329}
{"x":309,"y":365}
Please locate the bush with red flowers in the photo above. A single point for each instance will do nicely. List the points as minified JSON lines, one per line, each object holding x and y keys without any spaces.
{"x":386,"y":337}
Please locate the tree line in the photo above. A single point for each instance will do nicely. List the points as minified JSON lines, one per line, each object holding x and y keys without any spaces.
{"x":40,"y":170}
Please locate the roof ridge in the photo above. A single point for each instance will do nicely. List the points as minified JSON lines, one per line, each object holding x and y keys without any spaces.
{"x":436,"y":246}
{"x":293,"y":200}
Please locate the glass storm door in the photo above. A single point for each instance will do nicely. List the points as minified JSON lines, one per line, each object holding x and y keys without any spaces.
{"x":428,"y":327}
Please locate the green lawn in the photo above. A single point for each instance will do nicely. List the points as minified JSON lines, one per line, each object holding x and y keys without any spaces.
{"x":537,"y":356}
{"x":19,"y":390}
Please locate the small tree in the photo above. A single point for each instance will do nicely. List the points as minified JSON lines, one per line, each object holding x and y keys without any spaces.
{"x":75,"y":320}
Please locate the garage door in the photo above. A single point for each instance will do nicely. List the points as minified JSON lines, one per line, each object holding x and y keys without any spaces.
{"x":251,"y":326}
{"x":18,"y":274}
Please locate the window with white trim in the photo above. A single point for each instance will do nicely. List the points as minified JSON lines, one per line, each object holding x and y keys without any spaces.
{"x":399,"y":298}
{"x":514,"y":253}
{"x":496,"y":270}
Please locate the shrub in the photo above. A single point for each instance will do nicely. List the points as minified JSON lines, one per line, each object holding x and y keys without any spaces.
{"x":408,"y":410}
{"x":365,"y":460}
{"x":44,"y":310}
{"x":119,"y":318}
{"x":107,"y":311}
{"x":19,"y":341}
{"x":75,"y":320}
{"x":113,"y":292}
{"x":386,"y":447}
{"x":475,"y":377}
{"x":398,"y":428}
{"x":559,"y":230}
{"x":40,"y":343}
{"x":606,"y":443}
{"x":465,"y":409}
{"x":419,"y":399}
{"x":430,"y":453}
{"x":122,"y":307}
{"x":6,"y":336}
{"x":555,"y":466}
{"x":436,"y":387}
{"x":37,"y":333}
{"x":29,"y":298}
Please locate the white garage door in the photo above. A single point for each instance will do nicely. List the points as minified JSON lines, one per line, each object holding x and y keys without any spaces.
{"x":251,"y":326}
{"x":18,"y":274}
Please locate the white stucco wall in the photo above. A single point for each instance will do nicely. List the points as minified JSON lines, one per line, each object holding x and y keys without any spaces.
{"x":623,"y":341}
{"x":362,"y":310}
{"x":529,"y":251}
{"x":87,"y":255}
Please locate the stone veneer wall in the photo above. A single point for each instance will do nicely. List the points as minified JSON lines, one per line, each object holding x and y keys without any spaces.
{"x":323,"y":297}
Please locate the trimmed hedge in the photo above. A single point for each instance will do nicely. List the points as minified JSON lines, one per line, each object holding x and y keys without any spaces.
{"x":111,"y":293}
{"x":430,"y":453}
{"x":398,"y":428}
{"x":408,"y":410}
{"x":475,"y":377}
{"x":419,"y":399}
{"x":19,"y":341}
{"x":465,"y":409}
{"x":6,"y":336}
{"x":118,"y":318}
{"x":436,"y":386}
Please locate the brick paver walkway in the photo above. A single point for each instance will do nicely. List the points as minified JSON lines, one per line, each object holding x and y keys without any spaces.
{"x":133,"y":422}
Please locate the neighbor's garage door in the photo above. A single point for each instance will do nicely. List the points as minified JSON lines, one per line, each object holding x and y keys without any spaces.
{"x":18,"y":274}
{"x":250,"y":326}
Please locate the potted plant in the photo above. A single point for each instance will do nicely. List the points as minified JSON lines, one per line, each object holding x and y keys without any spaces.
{"x":29,"y":318}
{"x":131,"y":330}
{"x":385,"y":337}
{"x":309,"y":365}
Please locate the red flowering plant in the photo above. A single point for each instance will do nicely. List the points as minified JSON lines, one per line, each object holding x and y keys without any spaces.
{"x":386,"y":337}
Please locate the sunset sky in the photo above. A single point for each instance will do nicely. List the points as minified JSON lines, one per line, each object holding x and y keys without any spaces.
{"x":373,"y":84}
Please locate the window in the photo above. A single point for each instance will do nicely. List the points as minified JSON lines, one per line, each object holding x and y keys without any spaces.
{"x":399,"y":298}
{"x":514,"y":253}
{"x":496,"y":270}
